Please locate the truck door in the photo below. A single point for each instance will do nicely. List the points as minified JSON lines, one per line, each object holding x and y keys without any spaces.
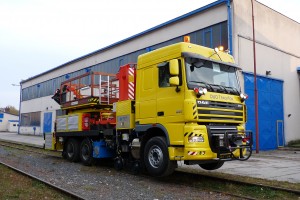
{"x":146,"y":95}
{"x":169,"y":102}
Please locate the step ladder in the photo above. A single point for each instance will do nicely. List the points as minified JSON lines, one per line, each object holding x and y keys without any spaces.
{"x":104,"y":88}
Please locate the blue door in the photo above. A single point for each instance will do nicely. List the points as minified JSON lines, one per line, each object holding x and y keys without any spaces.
{"x":270,"y":111}
{"x":47,"y":122}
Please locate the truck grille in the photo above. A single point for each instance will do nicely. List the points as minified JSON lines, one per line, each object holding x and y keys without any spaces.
{"x":214,"y":111}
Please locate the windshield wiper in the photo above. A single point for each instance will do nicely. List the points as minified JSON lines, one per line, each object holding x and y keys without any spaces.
{"x":221,"y":87}
{"x":228,"y":92}
{"x":234,"y":89}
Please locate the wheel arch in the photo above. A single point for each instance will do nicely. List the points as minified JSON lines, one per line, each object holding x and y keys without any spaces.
{"x":149,"y":131}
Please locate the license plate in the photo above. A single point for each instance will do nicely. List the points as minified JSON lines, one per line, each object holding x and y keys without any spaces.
{"x":225,"y":156}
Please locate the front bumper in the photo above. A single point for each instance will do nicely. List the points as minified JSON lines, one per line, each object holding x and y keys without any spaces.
{"x":224,"y":145}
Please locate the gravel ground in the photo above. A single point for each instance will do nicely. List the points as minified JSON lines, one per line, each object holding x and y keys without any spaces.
{"x":101,"y":181}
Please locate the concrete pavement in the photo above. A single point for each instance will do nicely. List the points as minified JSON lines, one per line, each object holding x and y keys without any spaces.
{"x":276,"y":165}
{"x":29,"y":140}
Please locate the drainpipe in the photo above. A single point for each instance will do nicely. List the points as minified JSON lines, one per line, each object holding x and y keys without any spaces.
{"x":255,"y":83}
{"x":229,"y":27}
{"x":20,"y":108}
{"x":19,"y":104}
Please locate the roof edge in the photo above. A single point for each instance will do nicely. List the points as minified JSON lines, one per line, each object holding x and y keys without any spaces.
{"x":199,"y":10}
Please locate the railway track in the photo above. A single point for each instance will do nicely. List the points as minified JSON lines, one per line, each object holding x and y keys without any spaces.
{"x":180,"y":177}
{"x":30,"y":149}
{"x":61,"y":190}
{"x":191,"y":176}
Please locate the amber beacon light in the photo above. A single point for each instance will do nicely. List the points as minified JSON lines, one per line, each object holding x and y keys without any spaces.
{"x":187,"y":39}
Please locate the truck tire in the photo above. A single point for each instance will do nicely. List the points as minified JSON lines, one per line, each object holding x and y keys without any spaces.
{"x":118,"y":163}
{"x":212,"y":166}
{"x":72,"y":150}
{"x":86,"y":152}
{"x":156,"y":157}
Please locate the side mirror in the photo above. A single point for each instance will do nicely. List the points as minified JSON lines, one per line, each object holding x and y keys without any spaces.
{"x":174,"y":67}
{"x":174,"y":81}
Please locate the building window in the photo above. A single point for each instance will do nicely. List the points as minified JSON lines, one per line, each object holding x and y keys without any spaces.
{"x":207,"y":37}
{"x":60,"y":112}
{"x":31,"y":119}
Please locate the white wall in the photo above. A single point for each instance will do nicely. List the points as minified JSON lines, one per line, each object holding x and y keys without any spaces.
{"x":29,"y":130}
{"x":5,"y":119}
{"x":13,"y":127}
{"x":277,"y":50}
{"x":43,"y":105}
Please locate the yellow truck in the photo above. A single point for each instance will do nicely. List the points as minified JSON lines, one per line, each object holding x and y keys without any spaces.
{"x":179,"y":103}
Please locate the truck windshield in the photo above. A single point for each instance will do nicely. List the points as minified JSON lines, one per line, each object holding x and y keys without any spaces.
{"x":214,"y":76}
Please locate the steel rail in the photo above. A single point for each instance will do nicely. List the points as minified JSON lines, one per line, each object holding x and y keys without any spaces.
{"x":64,"y":191}
{"x":262,"y":185}
{"x":186,"y":173}
{"x":10,"y":145}
{"x":239,"y":182}
{"x":187,"y":183}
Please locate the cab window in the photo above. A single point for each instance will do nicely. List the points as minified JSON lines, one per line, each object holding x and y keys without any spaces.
{"x":164,"y":74}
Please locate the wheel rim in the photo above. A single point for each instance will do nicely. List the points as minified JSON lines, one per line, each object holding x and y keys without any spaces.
{"x":85,"y":152}
{"x":155,"y":156}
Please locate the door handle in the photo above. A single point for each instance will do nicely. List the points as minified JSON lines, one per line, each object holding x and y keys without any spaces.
{"x":161,"y":113}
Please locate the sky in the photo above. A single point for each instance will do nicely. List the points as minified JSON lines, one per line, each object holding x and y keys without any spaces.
{"x":37,"y":35}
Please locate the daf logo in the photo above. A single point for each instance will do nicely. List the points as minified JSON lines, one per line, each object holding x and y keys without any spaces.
{"x":203,"y":102}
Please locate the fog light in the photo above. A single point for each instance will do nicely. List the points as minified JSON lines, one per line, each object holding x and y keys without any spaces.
{"x":196,"y":139}
{"x":221,"y":141}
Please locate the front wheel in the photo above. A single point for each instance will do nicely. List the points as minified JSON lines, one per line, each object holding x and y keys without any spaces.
{"x":156,"y":157}
{"x":212,"y":166}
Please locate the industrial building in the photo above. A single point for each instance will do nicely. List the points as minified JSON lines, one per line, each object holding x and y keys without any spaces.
{"x":9,"y":122}
{"x":223,"y":22}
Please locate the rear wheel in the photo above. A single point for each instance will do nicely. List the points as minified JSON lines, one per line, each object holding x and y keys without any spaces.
{"x":86,"y":152}
{"x":118,"y":163}
{"x":212,"y":166}
{"x":72,"y":150}
{"x":156,"y":157}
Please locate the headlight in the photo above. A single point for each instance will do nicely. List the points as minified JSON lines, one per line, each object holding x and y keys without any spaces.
{"x":243,"y":97}
{"x":196,"y":139}
{"x":200,"y":91}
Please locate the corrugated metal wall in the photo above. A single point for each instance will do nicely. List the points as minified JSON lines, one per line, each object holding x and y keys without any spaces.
{"x":215,"y":34}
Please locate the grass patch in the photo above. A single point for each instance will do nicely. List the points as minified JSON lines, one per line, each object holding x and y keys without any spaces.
{"x":16,"y":186}
{"x":257,"y":192}
{"x":294,"y":143}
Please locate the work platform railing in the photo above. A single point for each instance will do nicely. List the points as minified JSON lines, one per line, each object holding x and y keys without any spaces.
{"x":92,"y":88}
